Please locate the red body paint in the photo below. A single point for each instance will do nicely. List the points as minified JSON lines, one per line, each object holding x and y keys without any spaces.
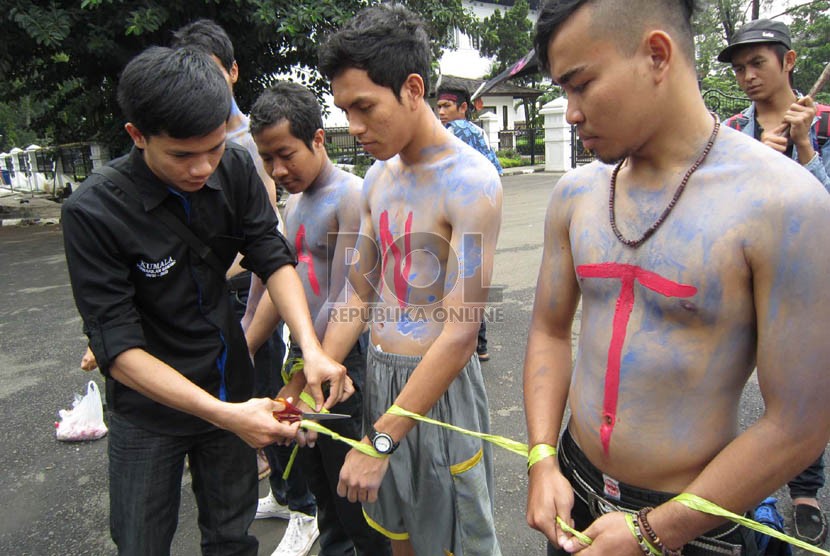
{"x":403,"y":262}
{"x":306,"y":258}
{"x":627,"y":275}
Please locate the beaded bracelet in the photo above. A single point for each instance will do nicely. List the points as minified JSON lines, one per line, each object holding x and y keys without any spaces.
{"x":652,"y":537}
{"x":634,"y":527}
{"x":539,"y":452}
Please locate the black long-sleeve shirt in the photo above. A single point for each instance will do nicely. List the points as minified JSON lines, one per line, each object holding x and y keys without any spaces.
{"x":137,"y":284}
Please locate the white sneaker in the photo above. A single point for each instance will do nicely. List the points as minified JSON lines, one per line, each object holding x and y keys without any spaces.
{"x":299,"y":537}
{"x":268,"y":506}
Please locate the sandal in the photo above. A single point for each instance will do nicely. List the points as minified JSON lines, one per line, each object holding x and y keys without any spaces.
{"x":809,"y":524}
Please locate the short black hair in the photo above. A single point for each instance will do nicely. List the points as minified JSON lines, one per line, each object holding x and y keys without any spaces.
{"x":207,"y":35}
{"x":289,"y":101}
{"x":619,"y":19}
{"x":388,"y":41}
{"x":180,"y":92}
{"x":462,"y":94}
{"x":780,"y":51}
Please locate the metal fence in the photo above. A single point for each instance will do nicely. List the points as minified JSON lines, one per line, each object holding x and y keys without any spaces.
{"x":344,"y":148}
{"x":579,"y":154}
{"x":529,"y":143}
{"x":723,"y":104}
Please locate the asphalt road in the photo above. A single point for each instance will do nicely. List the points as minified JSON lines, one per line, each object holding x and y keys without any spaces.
{"x":54,"y":494}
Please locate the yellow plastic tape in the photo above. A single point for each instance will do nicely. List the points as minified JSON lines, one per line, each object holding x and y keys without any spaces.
{"x":538,"y":453}
{"x":702,"y":505}
{"x":500,"y":441}
{"x":689,"y":500}
{"x":356,"y":444}
{"x":315,"y":426}
{"x":582,"y":537}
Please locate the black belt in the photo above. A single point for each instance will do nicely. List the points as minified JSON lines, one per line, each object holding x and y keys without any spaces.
{"x":589,"y":485}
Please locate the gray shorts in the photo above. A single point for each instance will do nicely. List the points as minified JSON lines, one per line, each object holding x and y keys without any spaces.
{"x":438,"y":490}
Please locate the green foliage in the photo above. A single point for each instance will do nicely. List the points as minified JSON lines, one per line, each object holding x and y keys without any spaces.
{"x":510,"y":158}
{"x":15,"y":125}
{"x":67,"y":54}
{"x":810,"y":28}
{"x":506,"y":37}
{"x":362,"y":166}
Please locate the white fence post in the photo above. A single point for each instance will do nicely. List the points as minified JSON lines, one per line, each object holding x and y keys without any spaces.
{"x":99,"y":154}
{"x":491,"y":125}
{"x":557,"y":136}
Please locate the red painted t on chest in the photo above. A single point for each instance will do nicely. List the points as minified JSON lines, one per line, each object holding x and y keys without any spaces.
{"x":627,"y":274}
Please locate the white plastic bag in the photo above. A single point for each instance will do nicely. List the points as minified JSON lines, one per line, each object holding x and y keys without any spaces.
{"x":85,"y":421}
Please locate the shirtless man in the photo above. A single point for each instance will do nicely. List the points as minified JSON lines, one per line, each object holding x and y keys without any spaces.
{"x":322,"y":217}
{"x":430,"y":216}
{"x":678,"y":304}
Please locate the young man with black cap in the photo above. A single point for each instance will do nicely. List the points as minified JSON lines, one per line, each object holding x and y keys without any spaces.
{"x":761,"y":55}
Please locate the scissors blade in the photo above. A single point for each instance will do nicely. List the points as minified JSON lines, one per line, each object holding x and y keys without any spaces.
{"x":325,"y":416}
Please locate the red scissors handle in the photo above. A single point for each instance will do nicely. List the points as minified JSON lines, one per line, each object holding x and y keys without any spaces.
{"x":290,"y":413}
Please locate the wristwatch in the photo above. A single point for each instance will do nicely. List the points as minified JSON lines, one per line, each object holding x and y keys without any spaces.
{"x":382,"y":442}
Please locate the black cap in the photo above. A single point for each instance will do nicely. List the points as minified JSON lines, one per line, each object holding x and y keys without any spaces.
{"x":756,"y":32}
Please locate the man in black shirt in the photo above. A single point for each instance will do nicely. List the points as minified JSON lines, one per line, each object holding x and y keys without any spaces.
{"x":179,"y":377}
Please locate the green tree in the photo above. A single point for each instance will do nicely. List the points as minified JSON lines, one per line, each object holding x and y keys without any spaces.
{"x":810,"y":28}
{"x":505,"y":37}
{"x":67,"y":54}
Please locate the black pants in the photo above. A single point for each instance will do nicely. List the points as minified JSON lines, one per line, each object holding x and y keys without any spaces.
{"x":293,"y":492}
{"x":809,"y":481}
{"x":343,"y":529}
{"x":145,"y":475}
{"x":589,"y":503}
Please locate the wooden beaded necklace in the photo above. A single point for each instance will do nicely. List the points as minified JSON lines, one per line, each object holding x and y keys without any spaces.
{"x":634,"y":243}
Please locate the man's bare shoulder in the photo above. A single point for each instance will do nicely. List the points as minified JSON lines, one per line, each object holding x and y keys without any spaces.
{"x":752,"y":177}
{"x":379,"y":172}
{"x":584,"y":187}
{"x":582,"y":180}
{"x":345,"y":186}
{"x":466,"y":176}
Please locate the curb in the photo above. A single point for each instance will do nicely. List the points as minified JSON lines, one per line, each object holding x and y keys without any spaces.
{"x":28,"y":221}
{"x":522,"y":170}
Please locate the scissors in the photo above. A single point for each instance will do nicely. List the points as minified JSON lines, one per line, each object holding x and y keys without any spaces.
{"x":292,"y":414}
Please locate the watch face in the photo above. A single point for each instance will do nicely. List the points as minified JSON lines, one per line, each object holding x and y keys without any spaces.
{"x":382,"y":443}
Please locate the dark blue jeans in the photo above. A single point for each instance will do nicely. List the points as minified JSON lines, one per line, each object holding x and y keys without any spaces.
{"x":809,"y":481}
{"x":145,"y":474}
{"x":343,"y":529}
